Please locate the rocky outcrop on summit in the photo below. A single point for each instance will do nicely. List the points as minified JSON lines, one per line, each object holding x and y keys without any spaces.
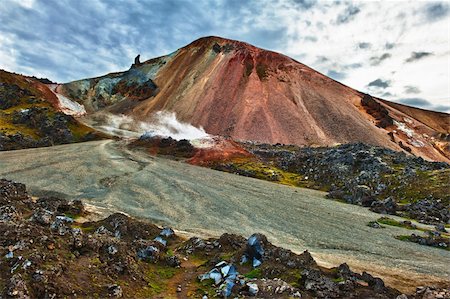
{"x":234,"y":89}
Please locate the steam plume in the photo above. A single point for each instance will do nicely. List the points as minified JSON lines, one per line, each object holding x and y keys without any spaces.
{"x":162,"y":123}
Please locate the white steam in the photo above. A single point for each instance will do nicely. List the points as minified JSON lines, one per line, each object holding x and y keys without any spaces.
{"x":162,"y":123}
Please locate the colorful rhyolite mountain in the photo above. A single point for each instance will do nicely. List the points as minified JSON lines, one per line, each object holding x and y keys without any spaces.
{"x":231,"y":88}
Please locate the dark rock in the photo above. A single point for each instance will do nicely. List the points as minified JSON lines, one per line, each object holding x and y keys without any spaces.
{"x":10,"y":95}
{"x":173,"y":261}
{"x":9,"y":213}
{"x":217,"y":48}
{"x":321,"y":286}
{"x":374,"y":224}
{"x":405,"y":147}
{"x":440,"y":228}
{"x":167,"y":232}
{"x":147,"y":251}
{"x":39,"y":276}
{"x":374,"y":282}
{"x":254,"y":250}
{"x":115,"y":291}
{"x":42,"y":216}
{"x":12,"y":191}
{"x":60,"y":225}
{"x":137,"y":60}
{"x":387,"y":206}
{"x":374,"y":108}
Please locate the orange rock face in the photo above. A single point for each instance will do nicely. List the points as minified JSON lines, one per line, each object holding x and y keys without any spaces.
{"x":233,"y":89}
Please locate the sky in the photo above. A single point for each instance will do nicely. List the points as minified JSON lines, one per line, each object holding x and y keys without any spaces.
{"x":396,"y":50}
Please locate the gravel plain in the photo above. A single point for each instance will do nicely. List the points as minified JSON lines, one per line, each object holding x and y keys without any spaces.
{"x":200,"y":201}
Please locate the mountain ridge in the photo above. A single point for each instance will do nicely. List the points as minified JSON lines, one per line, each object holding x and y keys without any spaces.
{"x":234,"y":89}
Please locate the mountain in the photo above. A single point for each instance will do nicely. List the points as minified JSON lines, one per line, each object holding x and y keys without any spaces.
{"x":32,"y":115}
{"x":234,"y":89}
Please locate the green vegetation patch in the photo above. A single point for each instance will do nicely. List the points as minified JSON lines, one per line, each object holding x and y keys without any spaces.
{"x":255,"y":273}
{"x":263,"y":171}
{"x":157,"y":279}
{"x":422,"y":185}
{"x":393,"y":222}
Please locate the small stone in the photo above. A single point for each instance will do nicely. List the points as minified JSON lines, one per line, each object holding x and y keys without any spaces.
{"x":115,"y":291}
{"x":252,"y":288}
{"x":179,"y":289}
{"x":374,"y":224}
{"x":112,"y":250}
{"x":441,"y":228}
{"x":402,"y":296}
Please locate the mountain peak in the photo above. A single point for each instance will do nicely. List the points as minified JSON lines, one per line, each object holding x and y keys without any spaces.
{"x":232,"y":88}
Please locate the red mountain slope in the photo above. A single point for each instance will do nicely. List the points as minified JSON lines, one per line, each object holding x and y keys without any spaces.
{"x":234,"y":89}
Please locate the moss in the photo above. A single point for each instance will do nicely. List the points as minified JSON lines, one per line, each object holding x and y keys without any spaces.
{"x":198,"y":260}
{"x":393,"y":222}
{"x":169,"y":253}
{"x":227,"y":256}
{"x":166,"y":272}
{"x":96,"y":261}
{"x":204,"y":287}
{"x":79,"y":130}
{"x":422,"y":185}
{"x":255,"y":273}
{"x":73,"y":216}
{"x":292,"y":277}
{"x":157,"y":279}
{"x":338,"y":279}
{"x":264,"y":171}
{"x":85,"y":228}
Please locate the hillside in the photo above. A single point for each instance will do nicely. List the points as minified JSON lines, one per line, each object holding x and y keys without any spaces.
{"x":31,"y":115}
{"x":234,"y":89}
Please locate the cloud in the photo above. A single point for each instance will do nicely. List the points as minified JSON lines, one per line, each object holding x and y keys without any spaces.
{"x":322,"y":59}
{"x":364,"y":45}
{"x":304,"y":4}
{"x":376,"y":60}
{"x":417,"y":102}
{"x":411,"y":89}
{"x":436,"y":11}
{"x":389,"y":46}
{"x":417,"y":56}
{"x":379,"y":83}
{"x":336,"y":75}
{"x":348,"y":14}
{"x":69,"y":40}
{"x":310,"y":38}
{"x":442,"y":108}
{"x":352,"y":66}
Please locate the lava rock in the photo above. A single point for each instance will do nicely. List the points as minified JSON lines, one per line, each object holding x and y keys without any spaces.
{"x":115,"y":291}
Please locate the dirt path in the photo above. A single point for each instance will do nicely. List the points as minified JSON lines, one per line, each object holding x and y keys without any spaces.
{"x":209,"y":203}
